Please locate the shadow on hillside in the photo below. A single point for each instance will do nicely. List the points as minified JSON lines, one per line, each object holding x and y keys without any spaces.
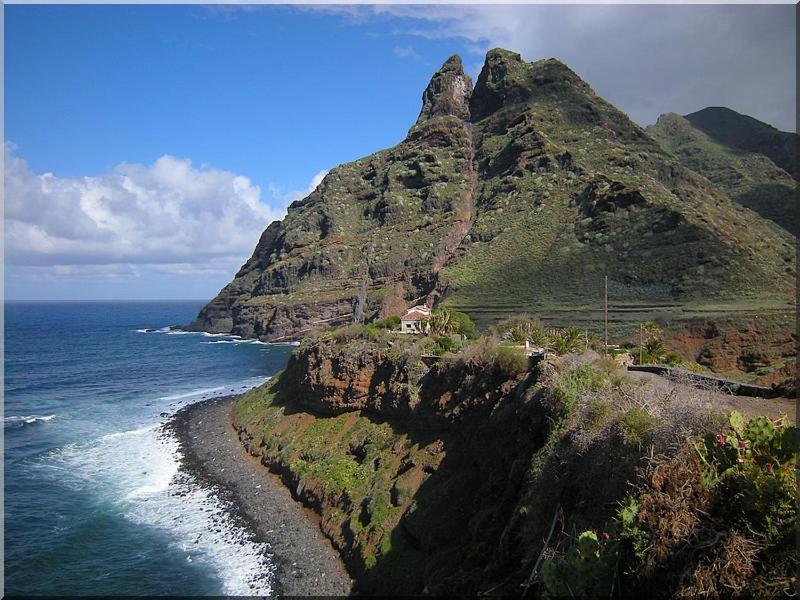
{"x":478,"y":519}
{"x":775,"y":202}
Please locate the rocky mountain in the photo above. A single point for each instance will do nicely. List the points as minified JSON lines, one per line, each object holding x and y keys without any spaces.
{"x":518,"y":194}
{"x":744,"y":171}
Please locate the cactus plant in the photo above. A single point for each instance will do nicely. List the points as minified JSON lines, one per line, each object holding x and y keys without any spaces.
{"x":760,"y":431}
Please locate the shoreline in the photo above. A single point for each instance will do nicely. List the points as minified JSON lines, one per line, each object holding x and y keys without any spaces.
{"x":305,"y":562}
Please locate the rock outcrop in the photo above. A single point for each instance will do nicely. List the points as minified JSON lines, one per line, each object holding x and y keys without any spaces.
{"x":448,"y":93}
{"x":517,"y":195}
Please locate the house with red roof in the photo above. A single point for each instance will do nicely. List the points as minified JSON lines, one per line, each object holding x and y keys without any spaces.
{"x":415,"y":320}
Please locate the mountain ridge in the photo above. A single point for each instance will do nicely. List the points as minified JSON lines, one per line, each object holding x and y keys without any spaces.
{"x":522,"y":191}
{"x":747,"y":177}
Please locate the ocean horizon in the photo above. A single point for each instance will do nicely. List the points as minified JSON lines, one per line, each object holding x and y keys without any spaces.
{"x":95,"y":502}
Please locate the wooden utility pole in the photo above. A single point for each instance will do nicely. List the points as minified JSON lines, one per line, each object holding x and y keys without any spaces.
{"x":641,"y":341}
{"x":605,"y":319}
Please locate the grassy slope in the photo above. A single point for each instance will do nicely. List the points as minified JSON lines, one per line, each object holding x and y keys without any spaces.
{"x":532,"y":248}
{"x":749,"y":178}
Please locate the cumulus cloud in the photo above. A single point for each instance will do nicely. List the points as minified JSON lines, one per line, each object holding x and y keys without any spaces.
{"x":166,"y":213}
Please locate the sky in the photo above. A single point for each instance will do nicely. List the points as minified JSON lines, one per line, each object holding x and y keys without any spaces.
{"x":148,"y":146}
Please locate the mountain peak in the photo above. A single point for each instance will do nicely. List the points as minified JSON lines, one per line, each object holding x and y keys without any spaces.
{"x":506,"y":79}
{"x":448,"y":92}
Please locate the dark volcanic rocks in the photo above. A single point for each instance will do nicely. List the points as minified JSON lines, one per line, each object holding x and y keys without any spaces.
{"x":448,"y":92}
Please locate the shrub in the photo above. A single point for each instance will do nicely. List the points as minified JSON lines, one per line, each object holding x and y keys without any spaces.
{"x":565,"y":341}
{"x":388,"y":323}
{"x":462,"y":324}
{"x":444,"y":344}
{"x":510,"y":360}
{"x":586,"y":570}
{"x":574,"y":383}
{"x":637,"y":423}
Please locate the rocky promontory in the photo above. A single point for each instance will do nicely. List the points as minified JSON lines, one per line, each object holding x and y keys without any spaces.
{"x":482,"y":472}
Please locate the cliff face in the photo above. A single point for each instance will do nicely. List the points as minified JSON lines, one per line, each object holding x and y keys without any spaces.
{"x":446,"y":480}
{"x":418,"y":474}
{"x":378,"y":228}
{"x":516,"y":195}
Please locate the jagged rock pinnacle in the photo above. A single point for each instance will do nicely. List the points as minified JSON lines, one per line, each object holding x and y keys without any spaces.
{"x":506,"y":80}
{"x":448,"y":92}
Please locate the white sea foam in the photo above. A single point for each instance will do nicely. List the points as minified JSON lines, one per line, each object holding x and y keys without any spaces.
{"x":26,"y":419}
{"x":137,"y":471}
{"x":131,"y":433}
{"x":237,"y":341}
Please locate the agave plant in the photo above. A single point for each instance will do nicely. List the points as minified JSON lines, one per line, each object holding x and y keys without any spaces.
{"x":655,"y":350}
{"x":564,"y":341}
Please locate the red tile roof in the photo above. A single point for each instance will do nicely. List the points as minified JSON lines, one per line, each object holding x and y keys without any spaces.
{"x":415,"y":314}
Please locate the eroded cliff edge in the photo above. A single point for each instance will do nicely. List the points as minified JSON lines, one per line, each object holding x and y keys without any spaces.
{"x":447,"y":478}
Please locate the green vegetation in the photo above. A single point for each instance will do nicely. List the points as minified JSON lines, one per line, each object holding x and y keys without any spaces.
{"x":748,"y":177}
{"x":559,"y":189}
{"x":446,"y":321}
{"x":528,"y":206}
{"x":343,"y":456}
{"x":741,"y":493}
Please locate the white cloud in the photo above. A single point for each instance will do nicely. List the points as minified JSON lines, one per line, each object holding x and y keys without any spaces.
{"x":165,"y":213}
{"x":644,"y":59}
{"x":164,"y":230}
{"x":405,"y":52}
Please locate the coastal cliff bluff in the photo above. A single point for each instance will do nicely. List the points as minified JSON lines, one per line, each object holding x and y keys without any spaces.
{"x":516,"y":194}
{"x":486,"y":474}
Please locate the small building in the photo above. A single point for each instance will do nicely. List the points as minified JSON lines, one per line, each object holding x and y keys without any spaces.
{"x":415,"y":320}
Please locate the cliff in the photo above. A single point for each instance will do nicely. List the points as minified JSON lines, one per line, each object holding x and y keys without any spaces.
{"x":518,"y":194}
{"x":449,"y":479}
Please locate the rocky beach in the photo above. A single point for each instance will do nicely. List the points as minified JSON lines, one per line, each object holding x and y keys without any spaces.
{"x":306,"y":564}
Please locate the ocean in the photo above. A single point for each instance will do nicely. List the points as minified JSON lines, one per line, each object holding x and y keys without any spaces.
{"x":94,"y":501}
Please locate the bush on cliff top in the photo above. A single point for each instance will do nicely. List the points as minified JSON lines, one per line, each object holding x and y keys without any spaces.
{"x":715,"y":519}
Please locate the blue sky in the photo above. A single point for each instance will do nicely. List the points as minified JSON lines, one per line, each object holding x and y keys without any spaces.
{"x":148,"y":146}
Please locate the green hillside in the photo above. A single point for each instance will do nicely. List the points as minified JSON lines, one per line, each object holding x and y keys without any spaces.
{"x":749,"y":178}
{"x":519,"y":194}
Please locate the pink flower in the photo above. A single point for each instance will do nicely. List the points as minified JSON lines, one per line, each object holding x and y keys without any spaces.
{"x":741,"y":444}
{"x":770,"y":469}
{"x":720,"y":439}
{"x":606,"y":537}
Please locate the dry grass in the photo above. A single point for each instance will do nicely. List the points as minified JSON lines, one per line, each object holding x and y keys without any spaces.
{"x":669,"y":413}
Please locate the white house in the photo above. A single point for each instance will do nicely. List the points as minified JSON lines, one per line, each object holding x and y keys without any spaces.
{"x":415,"y":319}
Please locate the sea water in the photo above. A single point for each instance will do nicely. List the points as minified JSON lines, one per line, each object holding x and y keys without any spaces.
{"x":94,"y":499}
